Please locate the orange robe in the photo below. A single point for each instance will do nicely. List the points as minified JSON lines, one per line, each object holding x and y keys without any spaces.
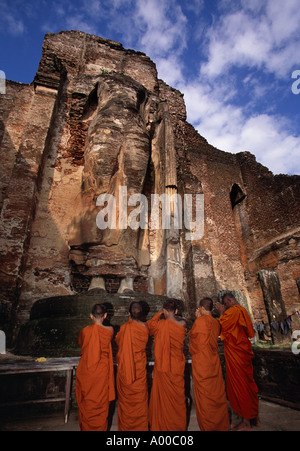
{"x":132,"y":377}
{"x":242,"y":391}
{"x":167,"y":409}
{"x":95,"y":378}
{"x":209,"y":387}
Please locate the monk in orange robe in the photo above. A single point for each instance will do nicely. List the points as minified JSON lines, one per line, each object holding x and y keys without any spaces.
{"x":242,"y":391}
{"x":95,"y":386}
{"x":132,"y":373}
{"x":209,"y":387}
{"x":167,"y":409}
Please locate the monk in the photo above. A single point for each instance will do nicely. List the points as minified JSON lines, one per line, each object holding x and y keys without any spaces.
{"x":236,"y":329}
{"x":209,"y":387}
{"x":132,"y":374}
{"x":95,"y":375}
{"x":167,"y":409}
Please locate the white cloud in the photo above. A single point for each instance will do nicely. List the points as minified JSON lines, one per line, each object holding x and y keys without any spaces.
{"x":228,"y":128}
{"x":10,"y":21}
{"x":252,"y":5}
{"x":195,"y":6}
{"x":274,"y":147}
{"x":93,"y":8}
{"x":243,"y":37}
{"x":284,"y":20}
{"x":262,"y":38}
{"x":14,"y":26}
{"x":162,"y":27}
{"x":238,"y":40}
{"x":169,"y":69}
{"x":79,"y":22}
{"x":267,"y":40}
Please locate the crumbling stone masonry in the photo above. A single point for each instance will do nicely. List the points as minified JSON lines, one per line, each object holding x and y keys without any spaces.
{"x":95,"y":118}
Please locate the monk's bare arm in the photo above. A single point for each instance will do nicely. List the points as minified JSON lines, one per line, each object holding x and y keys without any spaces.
{"x":153,"y":323}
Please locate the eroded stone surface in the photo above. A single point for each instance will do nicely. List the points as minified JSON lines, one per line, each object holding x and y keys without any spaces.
{"x":95,"y":118}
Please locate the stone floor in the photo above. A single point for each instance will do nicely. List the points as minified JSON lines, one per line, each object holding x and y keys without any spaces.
{"x":273,"y":417}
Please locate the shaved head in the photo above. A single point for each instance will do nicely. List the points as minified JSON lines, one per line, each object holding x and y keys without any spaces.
{"x":207,"y":304}
{"x":170,"y":305}
{"x":98,"y":311}
{"x":229,"y":300}
{"x":136,"y":310}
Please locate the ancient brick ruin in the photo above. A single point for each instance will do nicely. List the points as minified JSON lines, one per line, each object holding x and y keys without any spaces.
{"x":95,"y":118}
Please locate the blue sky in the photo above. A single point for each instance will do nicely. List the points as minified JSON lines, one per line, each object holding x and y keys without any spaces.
{"x":232,"y":59}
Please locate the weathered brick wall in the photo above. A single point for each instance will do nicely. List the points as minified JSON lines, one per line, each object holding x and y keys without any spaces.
{"x":42,"y":137}
{"x":272,"y":241}
{"x":217,"y":262}
{"x":262,"y":232}
{"x":19,"y":203}
{"x":43,"y":133}
{"x":17,"y":99}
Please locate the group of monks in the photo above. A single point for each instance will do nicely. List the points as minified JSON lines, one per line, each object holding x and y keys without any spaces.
{"x":166,"y":411}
